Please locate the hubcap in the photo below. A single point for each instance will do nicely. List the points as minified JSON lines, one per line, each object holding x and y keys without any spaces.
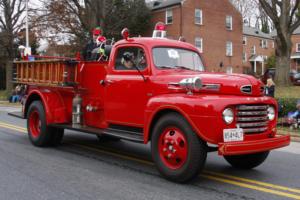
{"x":35,"y":124}
{"x":173,"y":148}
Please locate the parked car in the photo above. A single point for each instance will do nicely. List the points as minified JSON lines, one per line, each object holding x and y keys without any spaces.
{"x":294,"y":77}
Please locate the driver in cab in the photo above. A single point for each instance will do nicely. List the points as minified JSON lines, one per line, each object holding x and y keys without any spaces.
{"x":127,"y":61}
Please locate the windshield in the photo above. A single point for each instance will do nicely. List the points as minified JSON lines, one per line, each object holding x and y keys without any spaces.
{"x":175,"y":58}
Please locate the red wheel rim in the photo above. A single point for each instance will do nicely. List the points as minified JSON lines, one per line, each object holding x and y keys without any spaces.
{"x":173,"y":148}
{"x":35,"y":124}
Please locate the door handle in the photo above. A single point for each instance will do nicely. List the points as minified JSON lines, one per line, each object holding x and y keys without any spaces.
{"x":106,"y":82}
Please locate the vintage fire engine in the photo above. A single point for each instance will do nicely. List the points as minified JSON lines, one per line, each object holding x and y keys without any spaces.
{"x":153,"y":90}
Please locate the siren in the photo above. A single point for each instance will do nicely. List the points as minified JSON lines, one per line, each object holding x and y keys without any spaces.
{"x":125,"y":33}
{"x":159,"y":30}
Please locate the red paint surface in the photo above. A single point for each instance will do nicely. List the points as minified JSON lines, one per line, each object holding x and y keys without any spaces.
{"x":126,"y":98}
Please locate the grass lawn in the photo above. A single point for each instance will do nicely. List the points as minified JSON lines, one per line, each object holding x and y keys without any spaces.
{"x":287,"y":92}
{"x":287,"y":129}
{"x":3,"y":95}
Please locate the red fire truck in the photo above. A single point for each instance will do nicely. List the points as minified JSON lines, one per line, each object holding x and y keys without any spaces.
{"x":153,"y":90}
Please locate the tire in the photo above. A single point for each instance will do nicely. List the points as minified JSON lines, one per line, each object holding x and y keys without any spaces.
{"x":173,"y":132}
{"x":39,"y":133}
{"x":248,"y":161}
{"x":107,"y":138}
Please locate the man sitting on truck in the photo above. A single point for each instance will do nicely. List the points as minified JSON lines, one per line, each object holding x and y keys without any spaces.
{"x":91,"y":45}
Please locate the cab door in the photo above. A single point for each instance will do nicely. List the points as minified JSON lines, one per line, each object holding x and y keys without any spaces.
{"x":127,"y":91}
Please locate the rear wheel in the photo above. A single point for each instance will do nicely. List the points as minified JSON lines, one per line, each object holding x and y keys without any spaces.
{"x":176,"y":150}
{"x":248,"y":161}
{"x":39,"y":133}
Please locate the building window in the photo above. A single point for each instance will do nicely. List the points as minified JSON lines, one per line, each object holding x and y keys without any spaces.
{"x":198,"y":16}
{"x":244,"y":57}
{"x":229,"y":23}
{"x":264,"y":44}
{"x":229,"y":70}
{"x":229,"y":48}
{"x":169,"y":16}
{"x":253,"y":50}
{"x":273,"y":44}
{"x":199,"y":44}
{"x":298,"y":47}
{"x":244,"y":40}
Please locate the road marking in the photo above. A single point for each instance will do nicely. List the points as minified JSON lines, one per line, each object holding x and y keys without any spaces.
{"x":252,"y":181}
{"x":253,"y":187}
{"x":219,"y":177}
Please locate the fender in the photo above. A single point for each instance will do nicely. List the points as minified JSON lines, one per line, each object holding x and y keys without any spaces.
{"x":190,"y":107}
{"x":54,"y":105}
{"x":203,"y":112}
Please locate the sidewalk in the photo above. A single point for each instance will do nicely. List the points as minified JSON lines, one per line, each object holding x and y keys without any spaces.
{"x":6,"y":103}
{"x":294,"y":136}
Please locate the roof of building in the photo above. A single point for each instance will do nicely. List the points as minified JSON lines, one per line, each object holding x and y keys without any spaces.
{"x":256,"y":32}
{"x":296,"y":32}
{"x":159,"y":4}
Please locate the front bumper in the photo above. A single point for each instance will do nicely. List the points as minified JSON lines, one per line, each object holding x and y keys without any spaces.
{"x":254,"y":146}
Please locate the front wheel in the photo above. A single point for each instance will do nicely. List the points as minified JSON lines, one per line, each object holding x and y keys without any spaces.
{"x":176,"y":150}
{"x":39,"y":133}
{"x":248,"y":161}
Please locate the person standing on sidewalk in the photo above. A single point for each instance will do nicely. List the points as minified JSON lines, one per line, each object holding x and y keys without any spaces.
{"x":270,"y":87}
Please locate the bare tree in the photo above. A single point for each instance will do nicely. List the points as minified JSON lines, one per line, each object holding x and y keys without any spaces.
{"x":247,"y":8}
{"x":76,"y":18}
{"x":284,"y":15}
{"x":11,"y":21}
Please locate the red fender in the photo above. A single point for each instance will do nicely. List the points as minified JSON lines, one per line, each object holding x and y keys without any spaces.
{"x":53,"y":102}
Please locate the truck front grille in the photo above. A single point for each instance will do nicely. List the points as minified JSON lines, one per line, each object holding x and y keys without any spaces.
{"x":252,"y":118}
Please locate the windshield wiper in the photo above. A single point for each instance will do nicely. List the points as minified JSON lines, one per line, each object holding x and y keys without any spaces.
{"x":183,"y":67}
{"x":165,"y":67}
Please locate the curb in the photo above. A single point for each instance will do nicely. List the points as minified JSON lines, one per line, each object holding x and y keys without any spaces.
{"x":294,"y":137}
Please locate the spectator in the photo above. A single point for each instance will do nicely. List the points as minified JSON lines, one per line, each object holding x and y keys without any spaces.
{"x":15,"y":96}
{"x":270,"y":87}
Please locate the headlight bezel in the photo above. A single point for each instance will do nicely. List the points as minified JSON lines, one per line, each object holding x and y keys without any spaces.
{"x":228,"y":115}
{"x":271,"y":113}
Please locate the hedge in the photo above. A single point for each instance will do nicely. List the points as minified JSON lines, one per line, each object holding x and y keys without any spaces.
{"x":286,"y":105}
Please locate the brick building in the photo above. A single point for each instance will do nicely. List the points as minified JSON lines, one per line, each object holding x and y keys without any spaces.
{"x":214,"y":27}
{"x":257,"y":47}
{"x":295,"y":56}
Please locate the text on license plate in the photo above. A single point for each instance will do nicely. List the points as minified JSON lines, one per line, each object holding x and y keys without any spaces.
{"x":231,"y":135}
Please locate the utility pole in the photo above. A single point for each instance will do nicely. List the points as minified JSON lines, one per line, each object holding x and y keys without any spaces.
{"x":28,"y":48}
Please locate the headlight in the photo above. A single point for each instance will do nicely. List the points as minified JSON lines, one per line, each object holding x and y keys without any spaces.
{"x":271,"y":113}
{"x":228,"y":115}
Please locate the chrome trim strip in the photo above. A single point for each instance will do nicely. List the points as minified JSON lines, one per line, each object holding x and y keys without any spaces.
{"x":247,"y":125}
{"x":254,"y":107}
{"x":255,"y":130}
{"x":252,"y":119}
{"x":252,"y":113}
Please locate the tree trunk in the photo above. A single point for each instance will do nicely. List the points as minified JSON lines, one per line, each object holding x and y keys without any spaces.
{"x":283,"y":67}
{"x":8,"y":66}
{"x":283,"y":60}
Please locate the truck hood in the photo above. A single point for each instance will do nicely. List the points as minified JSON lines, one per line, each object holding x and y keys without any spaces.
{"x":216,"y":83}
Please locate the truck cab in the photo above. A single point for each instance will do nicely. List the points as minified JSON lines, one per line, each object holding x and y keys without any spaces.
{"x":155,"y":90}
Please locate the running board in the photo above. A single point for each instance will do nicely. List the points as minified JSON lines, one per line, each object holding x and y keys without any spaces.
{"x":123,"y":134}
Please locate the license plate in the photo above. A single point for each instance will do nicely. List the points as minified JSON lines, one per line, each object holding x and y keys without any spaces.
{"x":233,"y":135}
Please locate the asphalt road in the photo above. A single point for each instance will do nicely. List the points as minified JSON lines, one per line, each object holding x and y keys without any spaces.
{"x":84,"y":168}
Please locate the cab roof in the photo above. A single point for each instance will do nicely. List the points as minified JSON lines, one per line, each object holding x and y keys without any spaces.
{"x":155,"y":42}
